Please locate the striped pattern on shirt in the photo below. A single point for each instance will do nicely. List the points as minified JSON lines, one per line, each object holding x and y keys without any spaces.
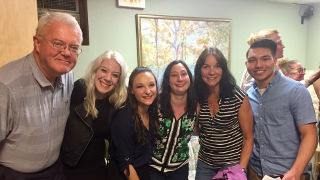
{"x":221,"y":136}
{"x":33,"y":114}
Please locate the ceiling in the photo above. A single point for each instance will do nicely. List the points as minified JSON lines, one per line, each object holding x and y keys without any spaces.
{"x":297,"y":1}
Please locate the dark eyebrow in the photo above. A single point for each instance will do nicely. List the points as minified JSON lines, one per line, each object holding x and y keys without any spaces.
{"x":269,"y":56}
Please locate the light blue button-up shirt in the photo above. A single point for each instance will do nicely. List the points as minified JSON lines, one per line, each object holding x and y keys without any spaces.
{"x":283,"y":107}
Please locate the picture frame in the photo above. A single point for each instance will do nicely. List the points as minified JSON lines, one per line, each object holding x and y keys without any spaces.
{"x":140,"y":4}
{"x":162,"y":39}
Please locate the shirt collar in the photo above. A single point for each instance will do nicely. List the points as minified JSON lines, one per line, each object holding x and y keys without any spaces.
{"x":274,"y":81}
{"x":40,"y":77}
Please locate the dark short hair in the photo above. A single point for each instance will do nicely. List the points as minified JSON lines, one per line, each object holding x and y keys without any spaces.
{"x":264,"y":43}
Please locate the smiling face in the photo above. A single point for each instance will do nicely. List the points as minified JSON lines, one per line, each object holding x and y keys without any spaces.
{"x":297,"y":72}
{"x":144,"y":88}
{"x":106,"y":78}
{"x":179,"y":80}
{"x":260,"y":65}
{"x":211,"y":72}
{"x":51,"y":62}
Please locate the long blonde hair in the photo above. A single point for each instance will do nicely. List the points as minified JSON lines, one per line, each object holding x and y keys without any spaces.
{"x":265,"y":33}
{"x":119,"y":94}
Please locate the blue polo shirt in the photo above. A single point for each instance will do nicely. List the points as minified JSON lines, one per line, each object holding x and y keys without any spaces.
{"x":283,"y":107}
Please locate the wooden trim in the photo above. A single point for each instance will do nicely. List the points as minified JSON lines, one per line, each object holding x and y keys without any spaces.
{"x":83,"y":11}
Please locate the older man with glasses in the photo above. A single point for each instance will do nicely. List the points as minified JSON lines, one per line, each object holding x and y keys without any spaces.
{"x":294,"y":70}
{"x":34,"y":106}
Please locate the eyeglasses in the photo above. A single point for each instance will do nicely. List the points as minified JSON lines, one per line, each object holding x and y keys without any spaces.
{"x":60,"y":46}
{"x":300,"y":70}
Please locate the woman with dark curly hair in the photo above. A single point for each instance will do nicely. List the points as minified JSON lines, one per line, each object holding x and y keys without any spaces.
{"x":224,"y":123}
{"x":133,"y":128}
{"x":176,"y":119}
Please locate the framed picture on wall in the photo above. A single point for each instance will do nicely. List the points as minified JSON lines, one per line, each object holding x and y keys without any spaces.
{"x":132,"y":3}
{"x":162,"y":39}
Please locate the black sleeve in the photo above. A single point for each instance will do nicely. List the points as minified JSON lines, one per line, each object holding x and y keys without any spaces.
{"x":123,"y":138}
{"x":78,"y":93}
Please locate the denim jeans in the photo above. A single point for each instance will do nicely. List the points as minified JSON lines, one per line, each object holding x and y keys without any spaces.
{"x":204,"y":171}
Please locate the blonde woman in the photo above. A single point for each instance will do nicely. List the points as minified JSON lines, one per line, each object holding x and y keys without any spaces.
{"x":94,"y":101}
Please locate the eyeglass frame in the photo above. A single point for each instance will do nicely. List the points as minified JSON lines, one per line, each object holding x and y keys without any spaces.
{"x":63,"y":46}
{"x":300,"y":70}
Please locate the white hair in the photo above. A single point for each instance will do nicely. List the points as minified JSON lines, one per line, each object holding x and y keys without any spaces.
{"x":52,"y":17}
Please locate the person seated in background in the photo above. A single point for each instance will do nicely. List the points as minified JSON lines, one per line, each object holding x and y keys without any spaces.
{"x":294,"y":70}
{"x":94,"y":102}
{"x":134,"y":127}
{"x":35,"y":91}
{"x":272,"y":34}
{"x":285,"y":135}
{"x":177,"y":106}
{"x":224,"y":123}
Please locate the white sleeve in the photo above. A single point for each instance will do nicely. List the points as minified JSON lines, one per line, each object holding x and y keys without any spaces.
{"x":246,"y":81}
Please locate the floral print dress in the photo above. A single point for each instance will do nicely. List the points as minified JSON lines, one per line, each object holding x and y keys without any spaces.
{"x":171,"y":143}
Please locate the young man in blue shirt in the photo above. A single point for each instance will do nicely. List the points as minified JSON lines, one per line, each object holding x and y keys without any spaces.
{"x":285,"y":135}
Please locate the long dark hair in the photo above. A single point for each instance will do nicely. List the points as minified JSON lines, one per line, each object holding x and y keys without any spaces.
{"x":227,"y":83}
{"x":165,"y":98}
{"x":133,"y":106}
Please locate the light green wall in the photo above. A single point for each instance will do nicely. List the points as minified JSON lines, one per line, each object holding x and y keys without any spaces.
{"x":114,"y":28}
{"x":313,"y":46}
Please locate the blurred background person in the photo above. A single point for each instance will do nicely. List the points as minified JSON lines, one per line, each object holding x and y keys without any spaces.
{"x":294,"y":70}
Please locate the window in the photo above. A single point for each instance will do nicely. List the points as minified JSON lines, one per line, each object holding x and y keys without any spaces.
{"x":77,"y":8}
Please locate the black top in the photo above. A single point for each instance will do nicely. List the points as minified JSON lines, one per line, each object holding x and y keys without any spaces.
{"x":96,"y":149}
{"x":125,"y":149}
{"x":83,"y":149}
